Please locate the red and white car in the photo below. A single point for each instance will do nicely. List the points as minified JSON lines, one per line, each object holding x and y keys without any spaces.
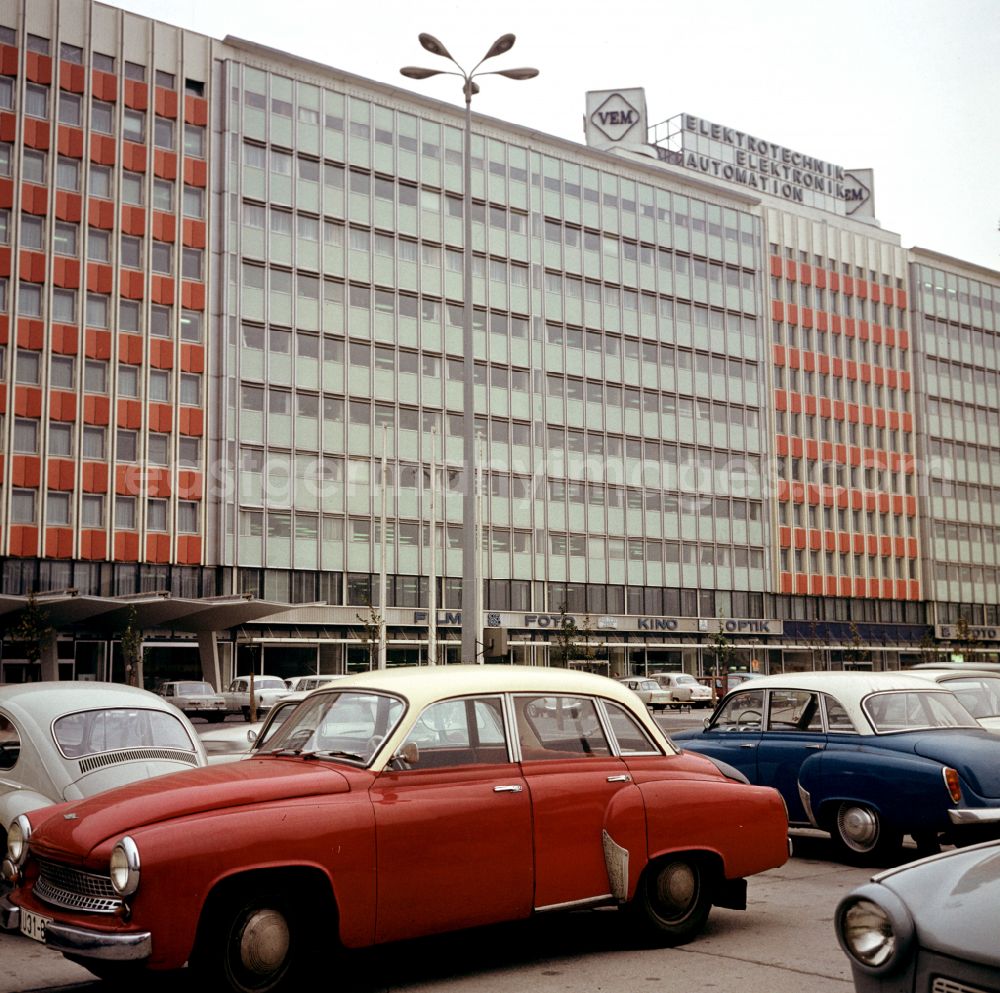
{"x":392,"y":805}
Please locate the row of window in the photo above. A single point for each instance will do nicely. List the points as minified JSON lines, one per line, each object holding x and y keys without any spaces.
{"x":847,"y":565}
{"x":129,"y":444}
{"x":24,"y":509}
{"x":832,"y":387}
{"x":843,"y":520}
{"x":839,"y":346}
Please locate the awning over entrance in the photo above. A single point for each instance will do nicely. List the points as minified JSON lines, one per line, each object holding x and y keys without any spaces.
{"x":67,"y":610}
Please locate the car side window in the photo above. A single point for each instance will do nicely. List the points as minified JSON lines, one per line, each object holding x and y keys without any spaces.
{"x":743,"y":711}
{"x":559,"y":727}
{"x":631,"y":737}
{"x":794,"y":710}
{"x":466,"y":731}
{"x":836,"y":717}
{"x":10,"y":744}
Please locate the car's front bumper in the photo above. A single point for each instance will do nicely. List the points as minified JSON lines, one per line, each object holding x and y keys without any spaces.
{"x":131,"y":946}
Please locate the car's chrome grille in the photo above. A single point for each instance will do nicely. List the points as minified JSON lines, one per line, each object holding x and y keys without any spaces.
{"x":942,"y":985}
{"x":93,"y":762}
{"x":75,"y":889}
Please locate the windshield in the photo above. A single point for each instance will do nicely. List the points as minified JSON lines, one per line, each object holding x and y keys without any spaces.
{"x":686,"y":679}
{"x":94,"y":731}
{"x":979,"y":694}
{"x":268,"y":683}
{"x":649,"y":684}
{"x":911,"y":710}
{"x":351,"y":725}
{"x":193,"y":689}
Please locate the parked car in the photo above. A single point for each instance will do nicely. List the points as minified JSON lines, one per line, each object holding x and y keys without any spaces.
{"x":66,"y":740}
{"x":196,"y":698}
{"x":868,"y":757}
{"x":313,"y":682}
{"x":648,"y":691}
{"x":926,"y":926}
{"x":237,"y":741}
{"x":979,"y":690}
{"x":315,"y":841}
{"x":683,"y":689}
{"x":267,"y":691}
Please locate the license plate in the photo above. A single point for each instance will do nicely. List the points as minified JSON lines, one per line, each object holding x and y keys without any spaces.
{"x":33,"y":925}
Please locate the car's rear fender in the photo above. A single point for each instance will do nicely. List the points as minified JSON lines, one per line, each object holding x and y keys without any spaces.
{"x":907,"y":791}
{"x":744,"y":827}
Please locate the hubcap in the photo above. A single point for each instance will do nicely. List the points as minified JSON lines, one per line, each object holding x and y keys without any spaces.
{"x":676,"y":888}
{"x":264,"y":942}
{"x":858,"y":827}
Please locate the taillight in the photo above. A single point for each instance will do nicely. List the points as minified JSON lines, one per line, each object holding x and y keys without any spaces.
{"x":953,"y":784}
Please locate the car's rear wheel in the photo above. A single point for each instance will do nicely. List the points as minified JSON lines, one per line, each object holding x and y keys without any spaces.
{"x":252,"y":943}
{"x":672,"y":900}
{"x":215,"y":716}
{"x":862,"y":835}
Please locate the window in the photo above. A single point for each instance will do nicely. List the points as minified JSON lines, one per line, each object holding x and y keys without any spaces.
{"x":126,"y":445}
{"x":190,"y":325}
{"x":554,"y":727}
{"x":159,"y":385}
{"x":132,"y":188}
{"x":95,"y":376}
{"x":22,"y":506}
{"x":192,"y":263}
{"x":26,"y":367}
{"x":160,"y":321}
{"x":163,"y":257}
{"x":93,"y":443}
{"x":60,"y":439}
{"x":25,"y":436}
{"x":134,"y":125}
{"x":71,"y":53}
{"x":125,"y":513}
{"x":92,"y":510}
{"x":194,"y":202}
{"x":103,"y":63}
{"x":191,"y":389}
{"x":743,"y":712}
{"x":187,"y":516}
{"x":98,"y":245}
{"x":131,"y":251}
{"x":32,"y":231}
{"x":98,"y":306}
{"x":64,"y":306}
{"x":101,"y":117}
{"x":165,"y":79}
{"x":57,"y":508}
{"x":70,"y":109}
{"x":62,"y":372}
{"x":29,"y":300}
{"x":158,"y":449}
{"x":64,"y":240}
{"x":100,"y":181}
{"x":163,"y":194}
{"x":460,"y":732}
{"x":163,"y":132}
{"x":128,"y":380}
{"x":68,"y":174}
{"x":36,"y":100}
{"x":130,"y":316}
{"x":194,"y":140}
{"x":33,"y":169}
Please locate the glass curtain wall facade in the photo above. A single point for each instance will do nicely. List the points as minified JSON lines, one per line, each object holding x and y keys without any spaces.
{"x":957,"y":322}
{"x":619,"y":364}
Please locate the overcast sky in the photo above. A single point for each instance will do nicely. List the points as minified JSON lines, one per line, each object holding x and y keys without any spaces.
{"x":910,"y":88}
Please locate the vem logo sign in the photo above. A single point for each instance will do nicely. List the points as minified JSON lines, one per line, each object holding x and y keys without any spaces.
{"x":615,"y":117}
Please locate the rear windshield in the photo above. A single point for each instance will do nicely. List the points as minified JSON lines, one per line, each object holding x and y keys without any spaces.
{"x":194,"y":689}
{"x":91,"y":732}
{"x":911,"y":710}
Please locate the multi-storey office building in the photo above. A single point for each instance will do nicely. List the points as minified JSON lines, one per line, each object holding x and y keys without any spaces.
{"x":234,"y":285}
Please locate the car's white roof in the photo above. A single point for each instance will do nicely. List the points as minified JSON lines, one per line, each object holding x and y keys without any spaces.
{"x":41,"y":703}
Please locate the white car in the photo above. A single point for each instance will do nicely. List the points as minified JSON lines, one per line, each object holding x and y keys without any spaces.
{"x":978,"y":689}
{"x":238,"y":741}
{"x":267,"y":691}
{"x":683,"y":689}
{"x":196,"y":698}
{"x":68,"y":740}
{"x":648,"y":691}
{"x":296,"y":684}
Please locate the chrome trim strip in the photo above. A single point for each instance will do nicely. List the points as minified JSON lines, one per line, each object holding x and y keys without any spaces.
{"x":980,"y":815}
{"x":123,"y":947}
{"x":589,"y":902}
{"x":10,"y":916}
{"x":616,"y":862}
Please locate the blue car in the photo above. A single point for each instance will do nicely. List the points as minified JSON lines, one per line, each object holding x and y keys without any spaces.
{"x":867,"y":757}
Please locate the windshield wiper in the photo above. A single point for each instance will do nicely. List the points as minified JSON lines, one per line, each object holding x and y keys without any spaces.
{"x":334,"y":754}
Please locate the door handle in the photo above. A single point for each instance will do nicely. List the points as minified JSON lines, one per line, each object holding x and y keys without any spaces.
{"x":620,"y":779}
{"x":507,"y":789}
{"x":749,"y":744}
{"x":817,"y":748}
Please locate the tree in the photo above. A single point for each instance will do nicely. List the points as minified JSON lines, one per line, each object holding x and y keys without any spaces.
{"x":721,"y":649}
{"x":131,"y":640}
{"x":856,"y":654}
{"x":35,"y":632}
{"x":928,"y":647}
{"x":566,"y":643}
{"x":963,"y":639}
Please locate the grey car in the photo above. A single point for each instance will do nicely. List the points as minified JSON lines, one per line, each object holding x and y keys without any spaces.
{"x":926,"y":927}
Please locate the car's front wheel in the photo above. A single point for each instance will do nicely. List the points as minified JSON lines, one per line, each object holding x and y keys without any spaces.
{"x":672,"y":900}
{"x":862,"y":835}
{"x":251,"y":944}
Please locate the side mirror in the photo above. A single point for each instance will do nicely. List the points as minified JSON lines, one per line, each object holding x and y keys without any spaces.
{"x":251,"y":736}
{"x":407,"y":756}
{"x":706,"y":722}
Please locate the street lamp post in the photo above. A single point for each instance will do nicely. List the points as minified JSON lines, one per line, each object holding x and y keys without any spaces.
{"x":472,"y":586}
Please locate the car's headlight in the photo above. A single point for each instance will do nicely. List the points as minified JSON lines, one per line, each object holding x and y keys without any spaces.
{"x":125,"y":867}
{"x":17,"y":840}
{"x":875,"y":928}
